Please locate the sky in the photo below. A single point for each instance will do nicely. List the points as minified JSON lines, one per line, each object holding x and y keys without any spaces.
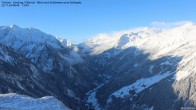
{"x":80,"y":22}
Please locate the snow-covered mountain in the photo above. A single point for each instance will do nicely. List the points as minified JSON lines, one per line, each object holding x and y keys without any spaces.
{"x":178,"y":41}
{"x":31,"y":43}
{"x":37,"y":64}
{"x":144,"y":68}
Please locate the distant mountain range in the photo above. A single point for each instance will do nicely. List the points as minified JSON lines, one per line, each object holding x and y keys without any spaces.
{"x":140,"y":69}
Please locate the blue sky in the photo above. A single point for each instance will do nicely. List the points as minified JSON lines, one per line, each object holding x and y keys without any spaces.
{"x":80,"y":22}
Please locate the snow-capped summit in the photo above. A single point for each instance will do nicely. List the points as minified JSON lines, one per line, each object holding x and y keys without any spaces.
{"x":123,"y":40}
{"x":143,"y":68}
{"x":157,"y":42}
{"x":155,"y":66}
{"x":32,"y":43}
{"x":14,"y":26}
{"x":16,"y":37}
{"x":65,"y":42}
{"x":103,"y":42}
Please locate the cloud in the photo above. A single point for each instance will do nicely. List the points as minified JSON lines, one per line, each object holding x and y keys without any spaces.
{"x":158,"y":24}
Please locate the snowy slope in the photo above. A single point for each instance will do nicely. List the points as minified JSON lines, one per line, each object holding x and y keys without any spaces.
{"x":5,"y":55}
{"x":39,"y":64}
{"x":134,"y":62}
{"x":179,"y":41}
{"x":14,"y":101}
{"x":170,"y":61}
{"x":32,"y":43}
{"x":103,"y":42}
{"x":140,"y":85}
{"x":16,"y":37}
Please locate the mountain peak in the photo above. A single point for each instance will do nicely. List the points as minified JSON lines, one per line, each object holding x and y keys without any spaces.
{"x":17,"y":36}
{"x":14,"y":26}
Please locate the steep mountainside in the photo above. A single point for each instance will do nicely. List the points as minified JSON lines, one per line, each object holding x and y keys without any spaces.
{"x":144,"y":69}
{"x":38,"y":64}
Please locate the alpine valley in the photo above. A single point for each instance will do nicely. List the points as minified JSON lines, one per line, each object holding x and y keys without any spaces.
{"x":140,"y":69}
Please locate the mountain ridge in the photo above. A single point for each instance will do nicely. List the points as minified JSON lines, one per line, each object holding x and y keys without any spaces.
{"x":122,"y":68}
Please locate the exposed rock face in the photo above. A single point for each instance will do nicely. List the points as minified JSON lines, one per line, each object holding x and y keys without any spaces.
{"x":141,"y":69}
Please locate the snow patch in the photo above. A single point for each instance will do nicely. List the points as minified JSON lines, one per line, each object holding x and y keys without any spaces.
{"x":92,"y":97}
{"x":93,"y":100}
{"x":65,"y":42}
{"x":140,"y":85}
